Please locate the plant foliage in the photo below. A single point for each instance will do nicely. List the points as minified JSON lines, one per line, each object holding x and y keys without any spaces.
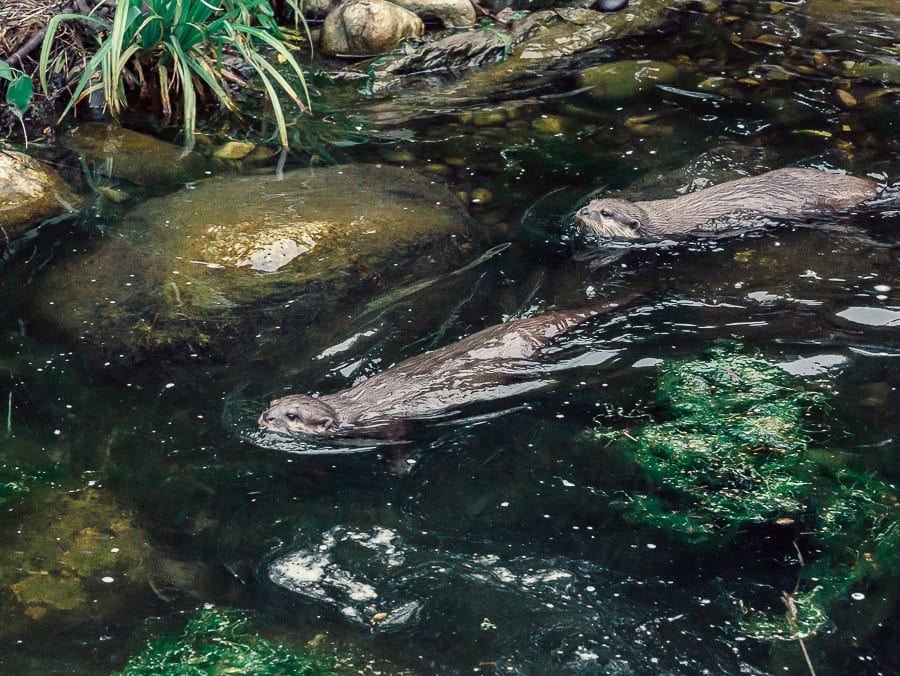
{"x":19,"y":91}
{"x":180,"y":46}
{"x":216,"y":641}
{"x":735,"y":451}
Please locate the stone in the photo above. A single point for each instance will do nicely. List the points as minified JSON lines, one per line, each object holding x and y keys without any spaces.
{"x":625,"y":79}
{"x":234,"y":150}
{"x":30,"y":193}
{"x":114,"y":152}
{"x":611,"y":5}
{"x":317,"y":9}
{"x":481,"y":63}
{"x":205,"y":269}
{"x":367,"y":27}
{"x":455,"y":52}
{"x":452,"y":13}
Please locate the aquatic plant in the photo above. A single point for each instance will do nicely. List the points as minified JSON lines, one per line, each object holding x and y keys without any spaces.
{"x":217,"y":641}
{"x":180,"y":45}
{"x":735,"y":450}
{"x":732,"y":452}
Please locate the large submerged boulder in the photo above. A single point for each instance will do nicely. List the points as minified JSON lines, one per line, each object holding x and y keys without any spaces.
{"x":222,"y":262}
{"x":30,"y":193}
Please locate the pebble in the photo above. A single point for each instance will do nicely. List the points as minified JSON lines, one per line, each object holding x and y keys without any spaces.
{"x":611,"y":5}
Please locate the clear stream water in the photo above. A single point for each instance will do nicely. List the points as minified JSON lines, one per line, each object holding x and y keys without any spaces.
{"x":499,"y":551}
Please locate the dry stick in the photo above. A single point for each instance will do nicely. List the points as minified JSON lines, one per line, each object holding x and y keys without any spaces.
{"x":26,"y":48}
{"x":788,"y":600}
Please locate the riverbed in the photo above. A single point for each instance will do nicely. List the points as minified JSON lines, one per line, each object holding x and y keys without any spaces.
{"x":492,"y":541}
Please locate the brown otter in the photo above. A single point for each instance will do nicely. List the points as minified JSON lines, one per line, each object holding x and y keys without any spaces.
{"x":481,"y":367}
{"x":783,"y":193}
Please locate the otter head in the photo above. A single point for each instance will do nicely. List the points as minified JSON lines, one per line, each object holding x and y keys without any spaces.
{"x":299,"y":414}
{"x":619,"y":219}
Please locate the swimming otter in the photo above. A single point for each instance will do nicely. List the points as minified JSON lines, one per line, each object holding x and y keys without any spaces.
{"x":481,"y":367}
{"x":783,"y":193}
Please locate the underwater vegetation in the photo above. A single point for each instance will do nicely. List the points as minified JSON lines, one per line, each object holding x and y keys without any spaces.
{"x":216,"y":641}
{"x":735,"y":451}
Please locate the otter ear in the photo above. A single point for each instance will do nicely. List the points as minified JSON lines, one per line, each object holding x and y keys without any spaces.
{"x":325,"y":423}
{"x":634,"y":224}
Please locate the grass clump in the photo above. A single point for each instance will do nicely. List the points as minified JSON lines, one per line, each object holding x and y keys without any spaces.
{"x":217,"y":641}
{"x":733,"y":451}
{"x":165,"y":46}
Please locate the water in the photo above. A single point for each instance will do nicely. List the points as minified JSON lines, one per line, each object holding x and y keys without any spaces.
{"x":499,"y":550}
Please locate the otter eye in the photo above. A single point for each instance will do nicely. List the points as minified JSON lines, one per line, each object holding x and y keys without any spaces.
{"x":605,"y":213}
{"x":293,"y":417}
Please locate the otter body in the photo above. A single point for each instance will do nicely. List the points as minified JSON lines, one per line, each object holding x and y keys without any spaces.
{"x":784,"y":193}
{"x":481,"y":367}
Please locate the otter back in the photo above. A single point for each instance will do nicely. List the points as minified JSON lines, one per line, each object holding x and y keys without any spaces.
{"x":781,"y":194}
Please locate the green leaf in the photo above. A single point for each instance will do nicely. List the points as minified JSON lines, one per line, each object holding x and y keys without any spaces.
{"x":7,"y":72}
{"x":19,"y":94}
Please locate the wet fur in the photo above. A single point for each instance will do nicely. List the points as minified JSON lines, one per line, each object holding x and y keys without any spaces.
{"x":783,"y":194}
{"x":480,"y":367}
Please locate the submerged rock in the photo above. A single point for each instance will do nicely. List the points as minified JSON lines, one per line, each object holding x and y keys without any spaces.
{"x":542,"y":42}
{"x":625,"y":79}
{"x":114,"y":152}
{"x":366,"y":27}
{"x":70,"y":552}
{"x":30,"y":192}
{"x":187,"y":270}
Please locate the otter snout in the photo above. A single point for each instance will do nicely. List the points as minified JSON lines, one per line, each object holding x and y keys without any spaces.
{"x":299,"y":414}
{"x":614,"y":218}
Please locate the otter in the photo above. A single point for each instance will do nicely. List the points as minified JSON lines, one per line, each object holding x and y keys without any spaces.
{"x":481,"y":367}
{"x":783,"y":194}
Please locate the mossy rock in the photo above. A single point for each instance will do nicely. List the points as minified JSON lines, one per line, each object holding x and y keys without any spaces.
{"x":625,"y":79}
{"x":733,"y":454}
{"x":185,"y":267}
{"x":69,"y":556}
{"x":112,"y":151}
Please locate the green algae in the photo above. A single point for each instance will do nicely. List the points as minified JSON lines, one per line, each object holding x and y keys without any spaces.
{"x":733,"y":450}
{"x":70,"y":551}
{"x":217,"y":641}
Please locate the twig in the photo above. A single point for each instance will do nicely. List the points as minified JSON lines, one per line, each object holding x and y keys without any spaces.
{"x":788,"y":600}
{"x":26,"y":48}
{"x":812,"y":671}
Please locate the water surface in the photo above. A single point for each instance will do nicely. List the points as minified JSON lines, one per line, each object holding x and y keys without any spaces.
{"x":499,"y":550}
